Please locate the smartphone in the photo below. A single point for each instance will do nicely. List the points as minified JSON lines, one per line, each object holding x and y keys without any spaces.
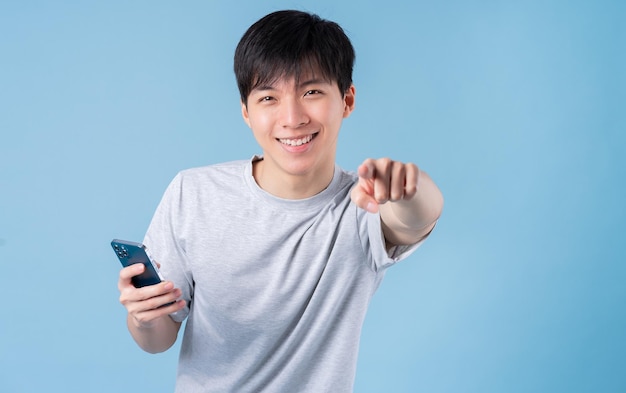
{"x":130,"y":253}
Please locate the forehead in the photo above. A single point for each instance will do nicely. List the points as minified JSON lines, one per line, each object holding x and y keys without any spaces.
{"x":291,"y":83}
{"x":303,"y":72}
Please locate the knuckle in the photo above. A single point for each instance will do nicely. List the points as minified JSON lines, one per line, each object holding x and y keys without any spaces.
{"x":396,"y":195}
{"x":124,"y":298}
{"x":385,"y":165}
{"x":399,"y":175}
{"x":156,"y":302}
{"x":381,"y":196}
{"x":141,"y":319}
{"x":410,"y":188}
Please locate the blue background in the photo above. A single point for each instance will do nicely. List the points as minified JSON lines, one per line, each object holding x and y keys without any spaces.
{"x":516,"y":109}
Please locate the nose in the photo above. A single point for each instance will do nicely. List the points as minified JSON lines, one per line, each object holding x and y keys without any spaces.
{"x":293,"y":114}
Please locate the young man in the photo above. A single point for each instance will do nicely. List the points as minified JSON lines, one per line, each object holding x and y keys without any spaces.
{"x":273,"y":260}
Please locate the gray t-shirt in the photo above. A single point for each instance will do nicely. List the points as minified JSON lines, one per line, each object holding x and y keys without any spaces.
{"x":277,"y":289}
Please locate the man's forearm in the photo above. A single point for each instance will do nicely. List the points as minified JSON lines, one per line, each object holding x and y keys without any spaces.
{"x":408,"y":221}
{"x":158,"y":337}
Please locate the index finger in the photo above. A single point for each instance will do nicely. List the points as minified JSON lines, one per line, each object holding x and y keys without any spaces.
{"x":127,"y":273}
{"x":366,"y":169}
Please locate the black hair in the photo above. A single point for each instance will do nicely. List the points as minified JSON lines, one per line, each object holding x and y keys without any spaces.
{"x":287,"y":44}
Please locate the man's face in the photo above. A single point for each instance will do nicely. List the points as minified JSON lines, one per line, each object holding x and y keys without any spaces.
{"x":297,"y":125}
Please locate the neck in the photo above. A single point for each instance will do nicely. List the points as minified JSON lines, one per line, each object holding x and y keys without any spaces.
{"x":289,"y":186}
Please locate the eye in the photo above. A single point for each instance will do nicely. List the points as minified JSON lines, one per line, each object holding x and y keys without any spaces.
{"x":312,"y":92}
{"x":265,"y":99}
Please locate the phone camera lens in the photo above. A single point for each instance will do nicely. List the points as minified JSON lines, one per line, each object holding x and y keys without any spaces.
{"x":121,"y":251}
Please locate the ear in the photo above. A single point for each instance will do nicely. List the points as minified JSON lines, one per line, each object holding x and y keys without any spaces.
{"x":349,"y":101}
{"x":244,"y":113}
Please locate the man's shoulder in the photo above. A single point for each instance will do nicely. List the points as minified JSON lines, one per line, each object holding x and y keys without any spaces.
{"x":209,"y":178}
{"x":222,"y":168}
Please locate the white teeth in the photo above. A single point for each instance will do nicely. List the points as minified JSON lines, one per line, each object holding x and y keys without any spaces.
{"x":296,"y":142}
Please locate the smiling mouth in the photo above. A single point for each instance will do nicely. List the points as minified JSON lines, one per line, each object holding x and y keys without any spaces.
{"x":297,"y":141}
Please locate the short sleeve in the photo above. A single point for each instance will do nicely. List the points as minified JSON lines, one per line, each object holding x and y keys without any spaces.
{"x":381,"y":257}
{"x":163,"y":243}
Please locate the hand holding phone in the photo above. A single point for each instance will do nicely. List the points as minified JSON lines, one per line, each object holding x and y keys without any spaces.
{"x":130,"y":253}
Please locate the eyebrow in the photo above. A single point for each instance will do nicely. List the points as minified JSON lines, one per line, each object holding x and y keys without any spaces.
{"x":314,"y":81}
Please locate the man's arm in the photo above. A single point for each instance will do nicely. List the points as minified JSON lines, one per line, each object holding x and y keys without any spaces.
{"x":409,"y":202}
{"x":150,"y":324}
